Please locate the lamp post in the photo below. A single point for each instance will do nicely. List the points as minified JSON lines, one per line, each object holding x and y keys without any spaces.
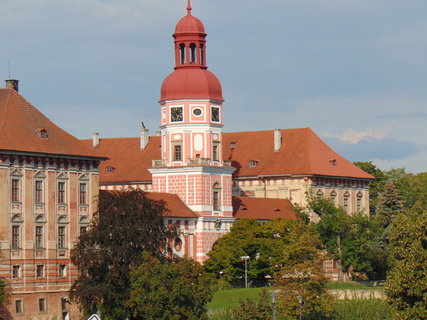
{"x":273,"y":302}
{"x":300,"y":301}
{"x":246,"y":258}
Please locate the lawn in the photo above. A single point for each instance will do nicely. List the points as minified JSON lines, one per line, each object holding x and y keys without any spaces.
{"x":351,"y":285}
{"x":225,"y":299}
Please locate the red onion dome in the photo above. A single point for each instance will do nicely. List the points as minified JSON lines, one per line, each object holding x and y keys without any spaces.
{"x":191,"y":83}
{"x":189,"y":24}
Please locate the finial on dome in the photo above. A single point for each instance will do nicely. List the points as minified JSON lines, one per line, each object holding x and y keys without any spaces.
{"x":189,"y":7}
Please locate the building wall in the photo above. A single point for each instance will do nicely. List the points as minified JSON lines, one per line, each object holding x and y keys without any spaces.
{"x":39,"y":228}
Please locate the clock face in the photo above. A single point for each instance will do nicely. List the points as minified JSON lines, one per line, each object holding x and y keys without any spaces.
{"x":176,"y":114}
{"x":215,"y":114}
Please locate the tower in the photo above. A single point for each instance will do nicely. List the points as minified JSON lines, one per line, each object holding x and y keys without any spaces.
{"x":192,"y":164}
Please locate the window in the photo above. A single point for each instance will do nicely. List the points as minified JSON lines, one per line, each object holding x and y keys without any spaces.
{"x":40,"y":271}
{"x":61,"y":192}
{"x":216,"y":202}
{"x":42,"y":304}
{"x":64,"y":304}
{"x":18,"y":306}
{"x":62,"y":272}
{"x":61,"y":237}
{"x":38,"y":192}
{"x":82,"y":193}
{"x":39,"y":237}
{"x":215,"y":151}
{"x":193,"y":52}
{"x":15,"y":190}
{"x":202,"y":55}
{"x":177,"y":152}
{"x":215,"y":114}
{"x":182,"y":53}
{"x":359,"y":204}
{"x":15,"y":237}
{"x":345,"y":203}
{"x":83,"y":230}
{"x":16,"y":272}
{"x":252,"y":163}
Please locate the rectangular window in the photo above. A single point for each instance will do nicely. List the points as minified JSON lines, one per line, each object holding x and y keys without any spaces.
{"x":61,"y":192}
{"x":177,"y":152}
{"x":215,"y":151}
{"x":15,"y":237}
{"x":64,"y":304}
{"x":83,"y":230}
{"x":359,"y":204}
{"x":18,"y":306}
{"x":15,"y":190}
{"x":40,"y":271}
{"x":39,"y":237}
{"x":16,"y":272}
{"x":42,"y":305}
{"x":82,"y":193}
{"x":61,"y":237}
{"x":216,"y":202}
{"x":38,"y":192}
{"x":62,"y":272}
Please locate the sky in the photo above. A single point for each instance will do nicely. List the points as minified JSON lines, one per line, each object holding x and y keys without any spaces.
{"x":355,"y":71}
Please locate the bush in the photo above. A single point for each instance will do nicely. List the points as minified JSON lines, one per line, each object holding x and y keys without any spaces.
{"x":362,"y":309}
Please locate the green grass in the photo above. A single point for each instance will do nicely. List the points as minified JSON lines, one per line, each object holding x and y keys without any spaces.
{"x":351,"y":285}
{"x":226,"y":299}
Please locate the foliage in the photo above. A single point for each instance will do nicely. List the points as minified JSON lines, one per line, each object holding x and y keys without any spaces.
{"x":390,"y":203}
{"x":2,"y":291}
{"x":263,"y":243}
{"x":254,"y":310}
{"x":347,"y":238}
{"x":304,"y":279}
{"x":362,"y":309}
{"x":127,"y":223}
{"x":406,"y":285}
{"x":178,"y":290}
{"x":375,"y":186}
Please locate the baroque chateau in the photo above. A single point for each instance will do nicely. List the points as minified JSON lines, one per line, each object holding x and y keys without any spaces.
{"x":50,"y":180}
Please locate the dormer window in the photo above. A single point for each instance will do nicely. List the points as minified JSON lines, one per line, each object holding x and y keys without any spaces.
{"x":109,"y":169}
{"x":252,"y":163}
{"x":42,"y":133}
{"x":333,"y":162}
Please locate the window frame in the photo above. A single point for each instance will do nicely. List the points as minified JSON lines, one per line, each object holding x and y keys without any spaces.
{"x":62,"y":237}
{"x":15,"y":190}
{"x":38,"y":191}
{"x":40,"y":271}
{"x":83,"y":193}
{"x":61,"y":193}
{"x":16,"y":237}
{"x":39,"y":237}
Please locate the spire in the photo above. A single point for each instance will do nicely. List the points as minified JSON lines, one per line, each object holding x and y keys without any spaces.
{"x":189,"y":7}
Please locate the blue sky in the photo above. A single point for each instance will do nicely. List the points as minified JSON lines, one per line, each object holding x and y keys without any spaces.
{"x":354,"y":71}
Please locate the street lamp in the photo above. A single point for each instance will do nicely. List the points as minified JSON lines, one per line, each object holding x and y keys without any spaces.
{"x":246,"y":258}
{"x":300,"y":301}
{"x":273,"y":302}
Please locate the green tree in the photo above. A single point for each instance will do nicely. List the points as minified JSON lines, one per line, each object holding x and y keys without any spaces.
{"x":178,"y":290}
{"x":254,"y":310}
{"x":127,"y":223}
{"x":375,"y":186}
{"x":390,"y":204}
{"x":406,"y":285}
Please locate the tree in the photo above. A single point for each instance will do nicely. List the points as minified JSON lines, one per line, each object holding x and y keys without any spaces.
{"x":406,"y":285}
{"x":254,"y":310}
{"x":178,"y":290}
{"x":390,"y":204}
{"x":127,"y":223}
{"x":375,"y":186}
{"x":263,"y":243}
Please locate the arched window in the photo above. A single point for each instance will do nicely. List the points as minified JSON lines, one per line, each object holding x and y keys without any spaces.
{"x":193,"y":52}
{"x":182,"y":53}
{"x":216,"y":197}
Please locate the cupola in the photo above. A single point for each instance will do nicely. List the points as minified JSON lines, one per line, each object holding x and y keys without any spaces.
{"x":190,"y":80}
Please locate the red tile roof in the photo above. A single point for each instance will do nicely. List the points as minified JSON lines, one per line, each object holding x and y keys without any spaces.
{"x":263,"y":208}
{"x":174,"y":205}
{"x":302,"y":153}
{"x":21,"y":126}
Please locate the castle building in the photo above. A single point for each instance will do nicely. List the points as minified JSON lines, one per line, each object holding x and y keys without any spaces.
{"x":221,"y":176}
{"x":49,"y":183}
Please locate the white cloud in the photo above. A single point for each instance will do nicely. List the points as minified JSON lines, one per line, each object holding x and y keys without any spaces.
{"x":354,"y":137}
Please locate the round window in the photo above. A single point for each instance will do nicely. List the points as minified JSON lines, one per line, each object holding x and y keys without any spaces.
{"x":178,"y":244}
{"x":197,"y":112}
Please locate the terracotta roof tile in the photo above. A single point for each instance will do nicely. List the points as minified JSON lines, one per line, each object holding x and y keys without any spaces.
{"x":302,"y":153}
{"x":263,"y":208}
{"x":21,"y":125}
{"x":174,"y":205}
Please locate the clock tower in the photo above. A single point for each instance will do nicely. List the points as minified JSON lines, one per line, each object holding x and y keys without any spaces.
{"x":192,"y":164}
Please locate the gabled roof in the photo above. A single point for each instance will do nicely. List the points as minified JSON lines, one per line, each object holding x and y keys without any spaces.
{"x":22,"y":126}
{"x":174,"y":205}
{"x":302,"y":153}
{"x":263,"y":208}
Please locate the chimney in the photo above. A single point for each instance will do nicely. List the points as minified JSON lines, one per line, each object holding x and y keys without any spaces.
{"x":277,"y":139}
{"x":95,"y":139}
{"x":144,"y":137}
{"x":12,"y":84}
